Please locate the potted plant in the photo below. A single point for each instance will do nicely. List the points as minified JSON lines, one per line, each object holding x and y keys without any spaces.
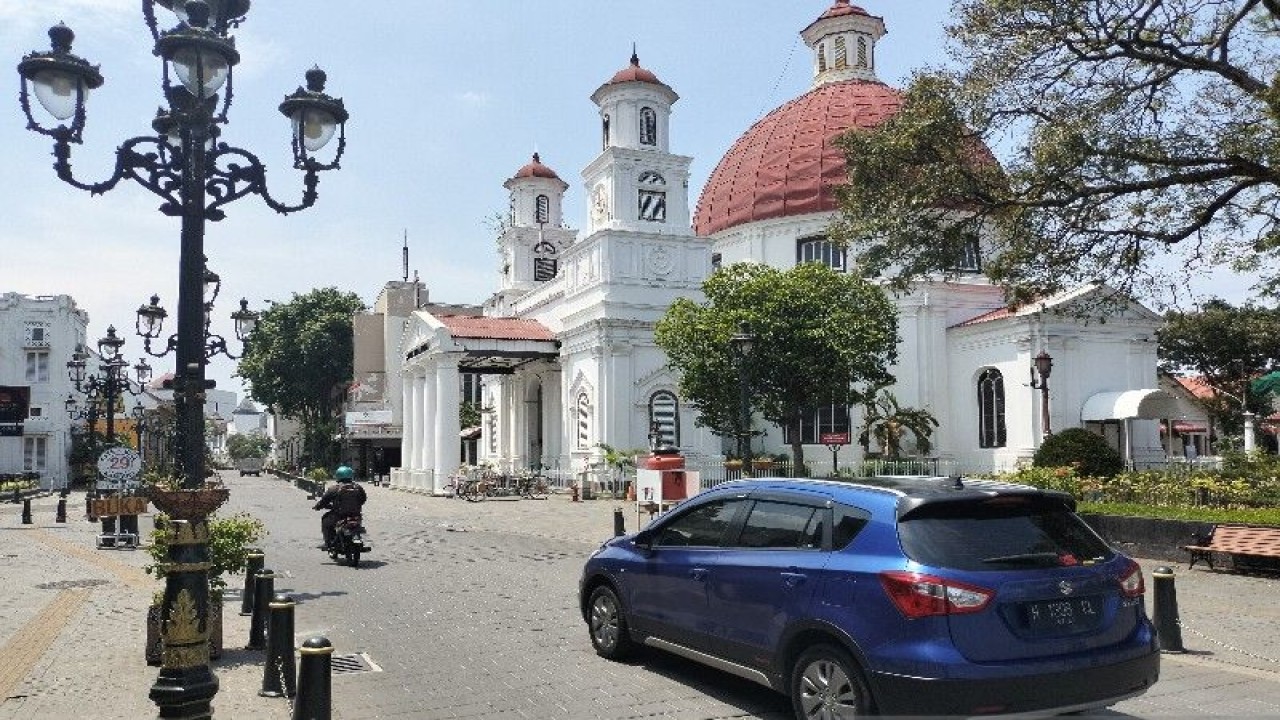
{"x":230,"y":539}
{"x":763,"y":461}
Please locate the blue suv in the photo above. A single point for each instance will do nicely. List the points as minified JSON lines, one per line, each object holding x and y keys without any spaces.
{"x":894,"y":596}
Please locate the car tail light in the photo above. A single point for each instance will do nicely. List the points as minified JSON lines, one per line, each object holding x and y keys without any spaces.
{"x":918,"y":595}
{"x":1131,"y":583}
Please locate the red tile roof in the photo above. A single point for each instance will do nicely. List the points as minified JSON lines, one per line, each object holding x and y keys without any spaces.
{"x":996,"y":314}
{"x":786,"y":164}
{"x":470,"y":326}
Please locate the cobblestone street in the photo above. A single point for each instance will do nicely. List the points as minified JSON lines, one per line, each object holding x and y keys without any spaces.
{"x":468,"y":610}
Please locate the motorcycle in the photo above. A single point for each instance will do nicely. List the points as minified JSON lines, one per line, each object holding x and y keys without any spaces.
{"x":348,"y":540}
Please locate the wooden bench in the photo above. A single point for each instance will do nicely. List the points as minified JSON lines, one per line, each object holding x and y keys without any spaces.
{"x":1250,"y":546}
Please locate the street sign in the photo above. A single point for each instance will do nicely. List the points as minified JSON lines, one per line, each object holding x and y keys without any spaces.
{"x":118,"y":468}
{"x":834,"y":438}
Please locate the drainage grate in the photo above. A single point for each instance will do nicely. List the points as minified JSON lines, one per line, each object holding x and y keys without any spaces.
{"x":352,"y":663}
{"x":68,"y":584}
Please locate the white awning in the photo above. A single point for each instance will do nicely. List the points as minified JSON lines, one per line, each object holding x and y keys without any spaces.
{"x":1150,"y":404}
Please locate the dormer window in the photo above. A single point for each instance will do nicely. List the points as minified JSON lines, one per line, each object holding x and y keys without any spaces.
{"x":842,"y":54}
{"x":648,"y":126}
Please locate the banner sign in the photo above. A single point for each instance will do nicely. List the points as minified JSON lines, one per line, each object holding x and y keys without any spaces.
{"x":15,"y":404}
{"x":834,"y":438}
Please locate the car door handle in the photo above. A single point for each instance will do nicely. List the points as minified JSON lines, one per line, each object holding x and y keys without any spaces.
{"x":698,"y":573}
{"x":793,"y":579}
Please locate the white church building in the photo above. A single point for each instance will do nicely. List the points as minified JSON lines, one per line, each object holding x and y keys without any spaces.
{"x":565,"y":345}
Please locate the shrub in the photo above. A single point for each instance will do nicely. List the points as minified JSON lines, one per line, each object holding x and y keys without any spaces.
{"x":1088,"y":453}
{"x":230,"y":539}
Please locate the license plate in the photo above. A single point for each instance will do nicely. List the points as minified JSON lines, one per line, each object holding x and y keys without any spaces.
{"x":1067,"y":614}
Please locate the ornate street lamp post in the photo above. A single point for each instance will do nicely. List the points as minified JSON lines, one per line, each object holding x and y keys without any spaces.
{"x":1040,"y":369}
{"x":186,"y":164}
{"x":741,"y":344}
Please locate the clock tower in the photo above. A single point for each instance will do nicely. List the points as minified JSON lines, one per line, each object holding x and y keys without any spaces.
{"x":636,"y":183}
{"x":534,"y":236}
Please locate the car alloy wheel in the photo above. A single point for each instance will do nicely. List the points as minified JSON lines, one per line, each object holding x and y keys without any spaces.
{"x":825,"y":686}
{"x":607,"y":625}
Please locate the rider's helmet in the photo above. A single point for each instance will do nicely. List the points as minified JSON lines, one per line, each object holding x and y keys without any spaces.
{"x":344,"y":474}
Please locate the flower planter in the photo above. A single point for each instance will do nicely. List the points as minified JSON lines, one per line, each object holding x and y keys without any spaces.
{"x":154,"y":651}
{"x":761,"y":464}
{"x":188,"y":504}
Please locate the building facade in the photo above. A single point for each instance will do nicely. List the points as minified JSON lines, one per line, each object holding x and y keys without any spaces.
{"x":565,"y":345}
{"x":38,"y":337}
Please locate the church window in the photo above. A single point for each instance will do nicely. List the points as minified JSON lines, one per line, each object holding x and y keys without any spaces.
{"x":583,"y":411}
{"x":991,"y":428}
{"x":820,"y":250}
{"x":471,"y":388}
{"x":542,"y":211}
{"x":842,"y":54}
{"x":648,"y":126}
{"x":604,"y":132}
{"x":545,"y":264}
{"x":653,"y":206}
{"x":970,"y":256}
{"x":822,"y":57}
{"x":664,"y":417}
{"x":862,"y":52}
{"x":815,"y":422}
{"x":716,"y":259}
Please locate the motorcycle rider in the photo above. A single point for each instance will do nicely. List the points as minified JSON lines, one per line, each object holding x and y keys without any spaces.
{"x":344,"y":499}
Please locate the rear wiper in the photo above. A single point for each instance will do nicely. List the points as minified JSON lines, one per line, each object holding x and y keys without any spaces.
{"x":1040,"y":558}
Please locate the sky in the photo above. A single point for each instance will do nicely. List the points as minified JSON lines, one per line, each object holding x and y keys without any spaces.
{"x":448,"y":98}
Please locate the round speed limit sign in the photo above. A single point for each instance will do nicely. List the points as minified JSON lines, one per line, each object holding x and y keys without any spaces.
{"x":119,"y":464}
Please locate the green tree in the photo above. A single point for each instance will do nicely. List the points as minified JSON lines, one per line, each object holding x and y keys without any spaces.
{"x":888,"y":422}
{"x":1227,"y":346}
{"x":821,"y":337}
{"x":248,"y":445}
{"x":299,"y":360}
{"x":1137,"y":137}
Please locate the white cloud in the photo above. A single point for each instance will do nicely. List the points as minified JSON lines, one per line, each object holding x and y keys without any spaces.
{"x":474,"y":98}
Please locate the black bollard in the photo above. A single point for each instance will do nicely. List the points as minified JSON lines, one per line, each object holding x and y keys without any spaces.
{"x":26,"y":511}
{"x":279,"y":676}
{"x":1164,"y":613}
{"x":255,"y":559}
{"x":62,"y":512}
{"x":264,"y":586}
{"x":314,"y":680}
{"x":619,"y":523}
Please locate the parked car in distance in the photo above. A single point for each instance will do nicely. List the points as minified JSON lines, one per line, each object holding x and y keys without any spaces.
{"x":891,"y":596}
{"x":250,"y":466}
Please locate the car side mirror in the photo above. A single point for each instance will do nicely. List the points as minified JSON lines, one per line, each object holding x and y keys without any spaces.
{"x":643,"y":540}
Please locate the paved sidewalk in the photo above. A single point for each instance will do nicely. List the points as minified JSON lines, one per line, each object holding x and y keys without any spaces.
{"x":73,"y":626}
{"x":72,"y":617}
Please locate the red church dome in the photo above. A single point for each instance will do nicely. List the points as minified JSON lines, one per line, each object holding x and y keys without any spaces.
{"x":535,"y":168}
{"x":787,"y":164}
{"x":634,"y":73}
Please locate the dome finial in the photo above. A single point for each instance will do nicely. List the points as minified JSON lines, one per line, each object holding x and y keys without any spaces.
{"x":635,"y":59}
{"x":536,"y":158}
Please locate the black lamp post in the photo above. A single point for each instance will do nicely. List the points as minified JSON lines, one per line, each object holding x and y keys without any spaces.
{"x":195,"y":174}
{"x":1041,"y":366}
{"x":741,"y":344}
{"x":104,"y":389}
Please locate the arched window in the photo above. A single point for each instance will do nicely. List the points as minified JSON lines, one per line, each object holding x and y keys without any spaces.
{"x":542,"y":210}
{"x":862,"y":52}
{"x":842,"y":54}
{"x":664,"y":417}
{"x":821,"y":250}
{"x":970,"y":256}
{"x":604,"y":132}
{"x":822,"y":57}
{"x":648,"y":126}
{"x":582,"y":410}
{"x":991,"y":430}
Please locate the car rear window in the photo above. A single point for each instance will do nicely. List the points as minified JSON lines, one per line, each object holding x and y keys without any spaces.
{"x":999,"y":533}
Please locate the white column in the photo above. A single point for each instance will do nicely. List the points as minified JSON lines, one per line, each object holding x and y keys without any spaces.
{"x":448,"y":448}
{"x":408,"y":423}
{"x":426,"y":457}
{"x":1250,"y":441}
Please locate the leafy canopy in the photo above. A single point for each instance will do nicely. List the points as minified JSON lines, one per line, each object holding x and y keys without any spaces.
{"x":298,"y":361}
{"x":820,"y":338}
{"x":1140,"y":140}
{"x":248,"y":445}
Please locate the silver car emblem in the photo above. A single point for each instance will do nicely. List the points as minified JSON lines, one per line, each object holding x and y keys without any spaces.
{"x":1065,"y":588}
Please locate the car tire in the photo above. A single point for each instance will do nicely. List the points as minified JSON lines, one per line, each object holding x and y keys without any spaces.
{"x":826,"y":684}
{"x":607,"y":625}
